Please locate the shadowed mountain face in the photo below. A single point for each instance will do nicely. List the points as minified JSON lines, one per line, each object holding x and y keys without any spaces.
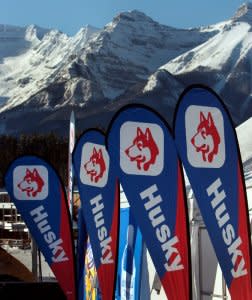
{"x":44,"y":74}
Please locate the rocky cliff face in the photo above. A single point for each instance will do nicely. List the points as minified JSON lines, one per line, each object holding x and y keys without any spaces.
{"x":45,"y":73}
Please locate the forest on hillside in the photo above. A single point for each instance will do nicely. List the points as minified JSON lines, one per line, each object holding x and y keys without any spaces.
{"x":52,"y":148}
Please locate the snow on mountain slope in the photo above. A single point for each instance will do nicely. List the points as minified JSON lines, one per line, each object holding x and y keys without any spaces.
{"x":231,"y":43}
{"x":132,"y":47}
{"x":50,"y":73}
{"x":244,"y":13}
{"x":15,"y":40}
{"x":38,"y":59}
{"x":215,"y":52}
{"x":223,"y":62}
{"x":125,"y":52}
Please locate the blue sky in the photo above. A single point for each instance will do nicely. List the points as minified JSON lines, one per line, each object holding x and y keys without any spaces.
{"x":70,"y":15}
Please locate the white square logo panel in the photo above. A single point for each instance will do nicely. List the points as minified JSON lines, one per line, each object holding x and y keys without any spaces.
{"x":205,"y":138}
{"x":30,"y":182}
{"x":94,"y":165}
{"x":141,"y":148}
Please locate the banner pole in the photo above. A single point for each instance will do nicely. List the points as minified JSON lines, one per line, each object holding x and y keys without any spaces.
{"x":70,"y":164}
{"x":34,"y":259}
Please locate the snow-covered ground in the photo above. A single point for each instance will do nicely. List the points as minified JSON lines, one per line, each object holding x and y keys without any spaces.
{"x":244,"y":132}
{"x":25,"y":256}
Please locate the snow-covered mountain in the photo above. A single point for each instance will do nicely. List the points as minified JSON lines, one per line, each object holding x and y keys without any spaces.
{"x":223,"y":62}
{"x":33,"y":61}
{"x":45,"y":73}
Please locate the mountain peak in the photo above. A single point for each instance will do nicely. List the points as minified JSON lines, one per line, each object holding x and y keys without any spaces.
{"x":33,"y":32}
{"x":244,"y":13}
{"x":131,"y":16}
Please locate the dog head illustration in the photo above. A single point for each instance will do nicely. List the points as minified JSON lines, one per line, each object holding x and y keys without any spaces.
{"x":143,"y":149}
{"x":96,"y":166}
{"x":207,"y":139}
{"x":32,"y":183}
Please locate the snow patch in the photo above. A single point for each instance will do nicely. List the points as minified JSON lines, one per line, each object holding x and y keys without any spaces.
{"x":244,"y":133}
{"x":214,"y":53}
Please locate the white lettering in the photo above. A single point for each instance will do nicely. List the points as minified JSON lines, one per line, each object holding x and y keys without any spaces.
{"x":104,"y":238}
{"x":107,"y":259}
{"x":43,"y":226}
{"x":156,"y":217}
{"x":148,"y":193}
{"x":102,"y":233}
{"x":96,"y":203}
{"x":228,"y":232}
{"x":236,"y":253}
{"x":213,"y":189}
{"x":40,"y":215}
{"x":163,"y":233}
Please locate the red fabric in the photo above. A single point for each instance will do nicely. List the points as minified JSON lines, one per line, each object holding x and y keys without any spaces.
{"x":107,"y":272}
{"x":177,"y":284}
{"x":241,"y":288}
{"x":65,"y":271}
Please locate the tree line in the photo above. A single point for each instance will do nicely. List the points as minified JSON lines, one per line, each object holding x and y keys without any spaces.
{"x":51,"y":147}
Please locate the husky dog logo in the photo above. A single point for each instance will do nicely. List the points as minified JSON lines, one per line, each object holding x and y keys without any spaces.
{"x":207,"y":139}
{"x":143,"y":150}
{"x":32,"y":183}
{"x":96,"y":166}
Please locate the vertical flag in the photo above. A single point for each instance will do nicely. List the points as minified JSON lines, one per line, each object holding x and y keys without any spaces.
{"x":81,"y":253}
{"x":39,"y":196}
{"x":209,"y":150}
{"x":85,"y":268}
{"x":142,"y":149}
{"x":130,"y":258}
{"x":70,"y":164}
{"x":99,"y":193}
{"x":90,"y":275}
